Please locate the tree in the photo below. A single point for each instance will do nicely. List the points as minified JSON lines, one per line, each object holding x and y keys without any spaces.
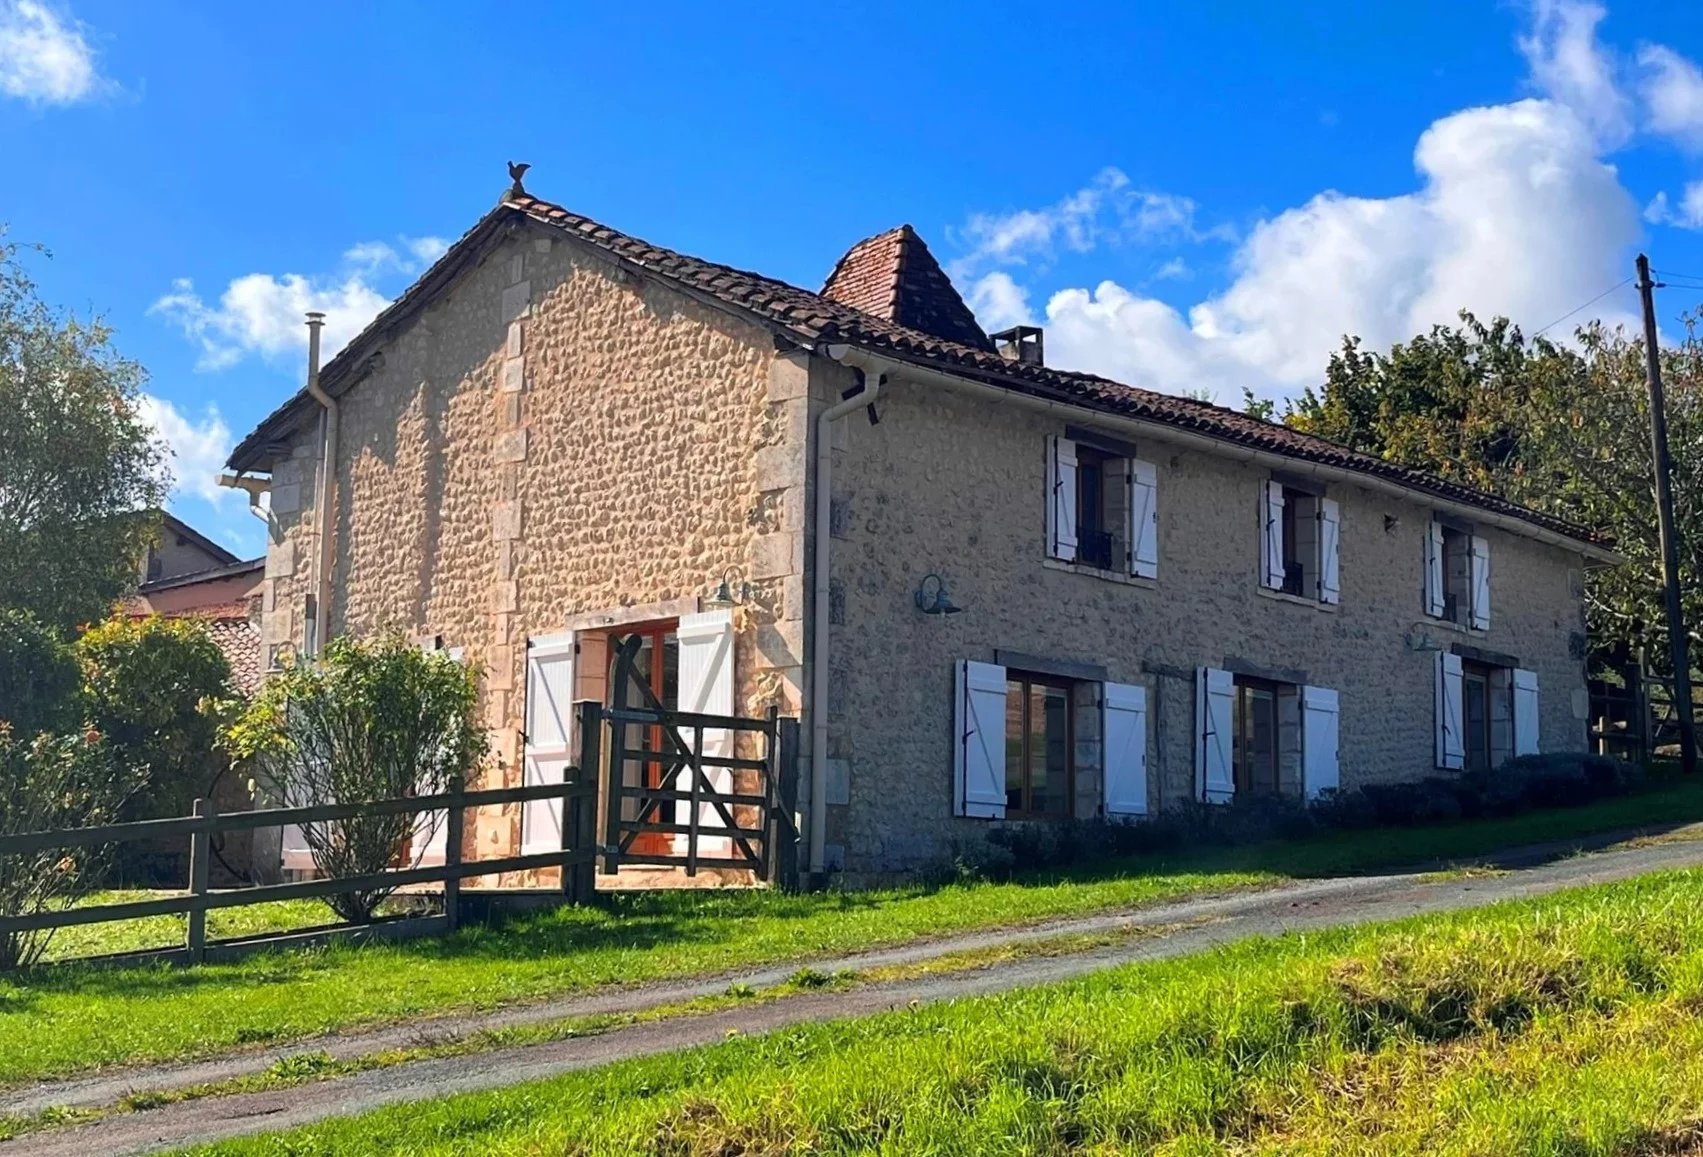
{"x":148,"y":684}
{"x":39,"y":680}
{"x":81,"y":469}
{"x":372,"y":720}
{"x":1562,"y":430}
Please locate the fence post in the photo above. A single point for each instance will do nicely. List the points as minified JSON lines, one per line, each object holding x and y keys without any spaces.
{"x":579,"y":806}
{"x":783,"y":861}
{"x":200,"y":852}
{"x":455,"y":823}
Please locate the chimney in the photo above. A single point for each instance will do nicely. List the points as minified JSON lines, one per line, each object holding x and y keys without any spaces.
{"x":1020,"y":344}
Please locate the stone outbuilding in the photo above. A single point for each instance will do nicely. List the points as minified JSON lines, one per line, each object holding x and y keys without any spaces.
{"x":991,"y":589}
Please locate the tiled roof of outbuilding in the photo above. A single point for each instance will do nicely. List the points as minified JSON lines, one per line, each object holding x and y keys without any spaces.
{"x":818,"y":318}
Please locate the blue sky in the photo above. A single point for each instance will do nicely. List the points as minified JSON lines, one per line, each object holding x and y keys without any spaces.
{"x":1194,"y":197}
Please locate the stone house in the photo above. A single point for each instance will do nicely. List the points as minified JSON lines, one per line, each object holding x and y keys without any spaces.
{"x":991,"y":589}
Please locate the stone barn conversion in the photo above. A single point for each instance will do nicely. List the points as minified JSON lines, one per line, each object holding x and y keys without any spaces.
{"x":992,"y":590}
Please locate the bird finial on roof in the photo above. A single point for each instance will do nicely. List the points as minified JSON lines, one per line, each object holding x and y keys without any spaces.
{"x":517,"y":170}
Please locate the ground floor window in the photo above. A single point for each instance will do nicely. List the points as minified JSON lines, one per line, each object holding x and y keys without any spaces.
{"x":1039,"y":737}
{"x":1265,"y":737}
{"x":1487,"y":712}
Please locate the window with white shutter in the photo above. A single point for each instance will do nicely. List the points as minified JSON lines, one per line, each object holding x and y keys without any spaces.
{"x":1143,"y":518}
{"x":1525,"y":713}
{"x":1479,"y":571}
{"x":1214,"y":734}
{"x":1061,"y":498}
{"x":1124,"y":734}
{"x":1451,"y":749}
{"x":706,"y":688}
{"x":548,"y":725}
{"x":1319,"y":715}
{"x":978,"y":749}
{"x":1330,"y":540}
{"x":1435,"y":589}
{"x":1273,"y":572}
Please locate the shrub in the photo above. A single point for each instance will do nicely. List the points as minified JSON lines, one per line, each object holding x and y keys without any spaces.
{"x":147,"y":683}
{"x":370,"y":721}
{"x":1553,"y":780}
{"x":46,"y":782}
{"x":38,"y":676}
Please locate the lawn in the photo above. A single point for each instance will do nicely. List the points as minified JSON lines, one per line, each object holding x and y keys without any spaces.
{"x":169,"y":931}
{"x":63,"y":1019}
{"x":1565,"y":1026}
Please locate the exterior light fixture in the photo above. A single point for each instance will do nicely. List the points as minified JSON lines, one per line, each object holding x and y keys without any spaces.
{"x":727,"y":594}
{"x":932,"y":598}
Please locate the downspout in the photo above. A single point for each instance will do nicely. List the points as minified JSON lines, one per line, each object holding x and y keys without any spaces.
{"x":872,"y":379}
{"x":329,"y":427}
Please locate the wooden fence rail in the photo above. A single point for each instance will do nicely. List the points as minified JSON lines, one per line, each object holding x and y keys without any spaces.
{"x":576,"y":859}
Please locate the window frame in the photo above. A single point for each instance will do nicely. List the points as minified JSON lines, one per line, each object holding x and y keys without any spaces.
{"x":1028,"y":680}
{"x":1243,"y":688}
{"x":1093,"y":462}
{"x":1459,"y":610}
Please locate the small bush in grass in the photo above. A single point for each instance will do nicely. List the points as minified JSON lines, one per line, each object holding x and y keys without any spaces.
{"x":370,"y":721}
{"x":1519,"y":785}
{"x":47,"y":782}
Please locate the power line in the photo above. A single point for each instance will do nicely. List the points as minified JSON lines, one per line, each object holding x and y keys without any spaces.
{"x":1582,"y":308}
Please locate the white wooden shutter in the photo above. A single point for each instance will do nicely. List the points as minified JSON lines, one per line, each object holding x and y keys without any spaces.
{"x":1124,"y":734}
{"x":706,"y":688}
{"x":1434,"y":569}
{"x":549,"y":727}
{"x":1271,"y":534}
{"x":1215,"y":776}
{"x":431,"y":829}
{"x":1061,"y":498}
{"x":1480,"y":578}
{"x":295,"y":855}
{"x":978,"y":749}
{"x":1525,"y":713}
{"x":1330,"y":537}
{"x":1451,"y":749}
{"x":1319,"y":714}
{"x":1143,"y":519}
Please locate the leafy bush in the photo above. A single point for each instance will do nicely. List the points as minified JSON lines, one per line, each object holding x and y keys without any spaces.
{"x":1529,"y":781}
{"x":46,"y":782}
{"x":148,"y":683}
{"x":370,"y":721}
{"x":38,"y":676}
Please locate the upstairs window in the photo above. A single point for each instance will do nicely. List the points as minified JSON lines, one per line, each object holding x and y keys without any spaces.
{"x":1102,"y":509}
{"x":1457,"y":575}
{"x":1299,"y":542}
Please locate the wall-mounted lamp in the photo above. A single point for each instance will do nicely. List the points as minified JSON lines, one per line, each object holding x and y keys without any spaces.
{"x":1418,"y":638}
{"x":1391,"y":524}
{"x":727,"y":593}
{"x":932,"y":598}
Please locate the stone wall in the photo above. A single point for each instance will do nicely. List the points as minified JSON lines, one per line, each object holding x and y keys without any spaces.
{"x":955,"y":484}
{"x":554,"y":437}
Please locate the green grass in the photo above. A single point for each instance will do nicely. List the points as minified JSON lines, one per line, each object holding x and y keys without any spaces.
{"x":168,"y":931}
{"x":64,"y":1019}
{"x":1562,"y":1027}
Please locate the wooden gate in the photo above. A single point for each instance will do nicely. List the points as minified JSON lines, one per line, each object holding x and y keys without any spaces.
{"x":719,"y":790}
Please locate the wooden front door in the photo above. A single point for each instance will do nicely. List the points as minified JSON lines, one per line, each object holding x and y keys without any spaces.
{"x":657,"y":664}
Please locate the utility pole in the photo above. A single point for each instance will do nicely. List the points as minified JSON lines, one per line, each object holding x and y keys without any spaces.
{"x":1664,"y":524}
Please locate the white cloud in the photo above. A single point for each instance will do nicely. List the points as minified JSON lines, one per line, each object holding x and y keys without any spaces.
{"x":1173,"y":270}
{"x":199,"y":448}
{"x":1672,"y":88}
{"x":1569,"y":65}
{"x":1106,"y":210}
{"x":1688,"y":214}
{"x":261,"y":314}
{"x":44,"y":58}
{"x":1514,"y":214}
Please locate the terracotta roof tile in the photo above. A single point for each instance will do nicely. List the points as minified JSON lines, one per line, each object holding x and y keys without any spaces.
{"x":893,"y":276}
{"x":815,"y":317}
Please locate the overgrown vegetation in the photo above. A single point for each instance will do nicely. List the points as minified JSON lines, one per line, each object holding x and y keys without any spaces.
{"x":62,"y":1019}
{"x":50,"y":781}
{"x":1560,"y":1028}
{"x":1520,"y":785}
{"x":371,"y":720}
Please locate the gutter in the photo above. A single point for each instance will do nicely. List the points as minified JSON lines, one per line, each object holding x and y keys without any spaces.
{"x":330,"y":427}
{"x":878,"y":363}
{"x":873,"y":369}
